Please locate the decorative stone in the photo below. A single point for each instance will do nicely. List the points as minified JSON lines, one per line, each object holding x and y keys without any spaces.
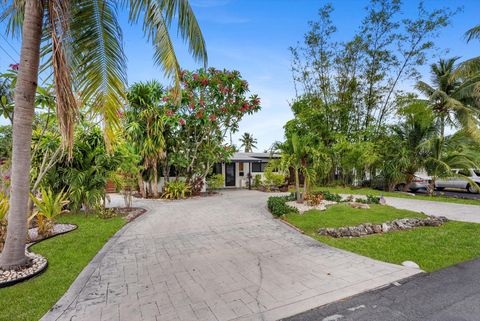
{"x":359,"y":205}
{"x":38,"y":264}
{"x":410,"y":264}
{"x":395,"y":225}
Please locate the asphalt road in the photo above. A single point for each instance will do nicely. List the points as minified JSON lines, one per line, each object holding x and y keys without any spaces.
{"x":453,"y":193}
{"x":450,"y":294}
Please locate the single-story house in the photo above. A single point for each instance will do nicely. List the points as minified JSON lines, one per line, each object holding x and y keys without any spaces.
{"x":237,"y":170}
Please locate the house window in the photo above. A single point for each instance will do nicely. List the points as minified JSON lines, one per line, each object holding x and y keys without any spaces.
{"x":217,"y":168}
{"x":240,"y":169}
{"x":258,"y":167}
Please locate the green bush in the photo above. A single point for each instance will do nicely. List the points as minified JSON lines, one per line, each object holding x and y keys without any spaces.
{"x":176,"y":189}
{"x":276,"y":205}
{"x":371,"y":199}
{"x":331,"y":196}
{"x":257,"y":181}
{"x":215,"y":181}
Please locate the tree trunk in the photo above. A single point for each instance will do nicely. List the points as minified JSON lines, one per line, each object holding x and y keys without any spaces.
{"x":141,"y":186}
{"x":297,"y":186}
{"x":13,"y":254}
{"x":155,"y":180}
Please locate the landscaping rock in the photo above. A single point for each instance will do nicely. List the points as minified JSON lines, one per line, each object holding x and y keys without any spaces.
{"x":395,"y":225}
{"x":359,"y":205}
{"x":38,"y":263}
{"x":410,"y":264}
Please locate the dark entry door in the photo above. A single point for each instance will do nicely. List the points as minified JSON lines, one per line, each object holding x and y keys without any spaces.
{"x":230,"y":174}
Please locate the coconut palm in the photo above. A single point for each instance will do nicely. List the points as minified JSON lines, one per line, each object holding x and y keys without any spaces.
{"x":248,"y":142}
{"x":81,"y":43}
{"x":453,"y":97}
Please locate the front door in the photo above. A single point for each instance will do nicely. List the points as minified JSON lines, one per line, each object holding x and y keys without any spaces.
{"x":230,"y":174}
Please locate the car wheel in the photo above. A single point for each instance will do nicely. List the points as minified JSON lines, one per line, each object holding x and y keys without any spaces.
{"x":472,"y":189}
{"x":400,"y":187}
{"x":439,"y":188}
{"x":414,"y":190}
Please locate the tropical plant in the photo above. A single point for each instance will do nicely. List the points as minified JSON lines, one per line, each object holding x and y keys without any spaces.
{"x":215,"y":181}
{"x":145,"y":120}
{"x":128,"y":171}
{"x":248,"y":142}
{"x":278,"y":207}
{"x":272,"y":178}
{"x":453,"y":97}
{"x":257,"y":181}
{"x":176,"y":189}
{"x":47,"y":208}
{"x":82,"y":39}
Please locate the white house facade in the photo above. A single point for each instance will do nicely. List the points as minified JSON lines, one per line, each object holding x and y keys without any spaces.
{"x":242,"y":168}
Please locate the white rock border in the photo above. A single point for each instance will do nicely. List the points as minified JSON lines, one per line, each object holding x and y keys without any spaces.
{"x":304,"y":207}
{"x":11,"y":277}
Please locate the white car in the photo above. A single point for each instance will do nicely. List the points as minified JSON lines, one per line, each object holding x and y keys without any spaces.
{"x":460,"y":182}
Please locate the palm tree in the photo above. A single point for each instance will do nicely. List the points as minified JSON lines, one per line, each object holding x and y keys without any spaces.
{"x":145,"y":126}
{"x":452,"y":96}
{"x":248,"y":142}
{"x":82,"y":44}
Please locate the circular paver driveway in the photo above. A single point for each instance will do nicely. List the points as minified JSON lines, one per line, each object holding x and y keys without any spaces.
{"x":215,"y":258}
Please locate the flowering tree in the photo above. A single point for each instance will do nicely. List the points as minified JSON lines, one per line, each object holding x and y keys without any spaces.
{"x":213,"y":103}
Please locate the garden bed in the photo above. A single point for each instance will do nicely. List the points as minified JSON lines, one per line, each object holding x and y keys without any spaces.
{"x":32,"y":299}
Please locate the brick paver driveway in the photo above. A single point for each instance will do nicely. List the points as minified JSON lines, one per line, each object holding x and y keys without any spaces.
{"x":215,"y":258}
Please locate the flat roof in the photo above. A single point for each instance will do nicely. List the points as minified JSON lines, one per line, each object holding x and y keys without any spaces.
{"x":252,"y":157}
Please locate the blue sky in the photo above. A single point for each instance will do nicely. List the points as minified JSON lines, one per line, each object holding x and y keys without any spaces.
{"x":253,"y":36}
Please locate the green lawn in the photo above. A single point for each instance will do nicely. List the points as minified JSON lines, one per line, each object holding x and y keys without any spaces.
{"x":67,"y":255}
{"x":432,"y":248}
{"x":365,"y":191}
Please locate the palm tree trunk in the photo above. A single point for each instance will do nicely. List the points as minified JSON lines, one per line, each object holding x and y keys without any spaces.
{"x":141,"y":185}
{"x":155,"y":179}
{"x":297,"y":186}
{"x":13,"y":254}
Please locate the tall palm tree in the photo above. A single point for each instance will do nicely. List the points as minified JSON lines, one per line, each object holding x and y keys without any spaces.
{"x":453,"y":97}
{"x":81,"y":41}
{"x":145,"y":125}
{"x":248,"y":142}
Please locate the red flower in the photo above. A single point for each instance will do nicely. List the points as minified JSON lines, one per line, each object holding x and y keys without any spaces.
{"x":199,"y":114}
{"x":169,"y":112}
{"x":204,"y":82}
{"x":224,"y":109}
{"x":166,"y":98}
{"x":256,"y":101}
{"x":192,"y":105}
{"x":182,"y":121}
{"x":14,"y":66}
{"x":202,"y":102}
{"x":195,"y":77}
{"x":213,"y":117}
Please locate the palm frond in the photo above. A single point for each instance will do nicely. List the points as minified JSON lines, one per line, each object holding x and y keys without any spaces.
{"x":99,"y":59}
{"x":473,"y":33}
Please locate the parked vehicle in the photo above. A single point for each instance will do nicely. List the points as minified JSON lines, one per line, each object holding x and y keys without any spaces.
{"x":420,"y":181}
{"x":459,"y":180}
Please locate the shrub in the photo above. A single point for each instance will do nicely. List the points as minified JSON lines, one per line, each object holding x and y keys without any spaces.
{"x":176,"y":189}
{"x":215,"y":181}
{"x":257,"y":181}
{"x":331,"y":197}
{"x":47,"y":208}
{"x":314,"y":199}
{"x":278,"y":207}
{"x":274,"y":179}
{"x":106,"y":213}
{"x":370,"y":200}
